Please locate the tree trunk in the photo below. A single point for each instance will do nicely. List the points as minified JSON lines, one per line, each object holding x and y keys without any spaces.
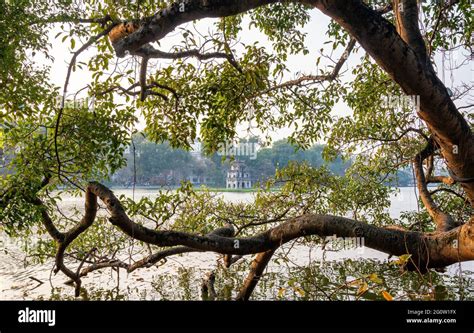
{"x":416,"y":77}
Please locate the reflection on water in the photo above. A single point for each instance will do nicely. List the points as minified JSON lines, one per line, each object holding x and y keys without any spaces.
{"x":307,"y":273}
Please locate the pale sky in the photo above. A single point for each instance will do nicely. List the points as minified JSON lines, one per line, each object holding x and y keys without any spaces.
{"x":315,"y":39}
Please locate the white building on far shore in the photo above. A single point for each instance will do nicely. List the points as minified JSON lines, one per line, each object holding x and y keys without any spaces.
{"x":238,"y":176}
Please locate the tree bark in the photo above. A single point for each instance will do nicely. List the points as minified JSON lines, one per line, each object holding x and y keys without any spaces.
{"x":156,"y":27}
{"x":256,"y":270}
{"x":427,"y":250}
{"x":406,"y":19}
{"x":444,"y":222}
{"x":416,"y":77}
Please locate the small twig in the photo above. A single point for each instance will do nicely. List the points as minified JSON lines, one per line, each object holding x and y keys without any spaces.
{"x":84,"y":260}
{"x":37,"y":280}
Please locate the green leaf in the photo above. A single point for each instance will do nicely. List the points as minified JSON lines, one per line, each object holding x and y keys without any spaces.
{"x":374,"y":278}
{"x":362,"y":289}
{"x":402,"y":260}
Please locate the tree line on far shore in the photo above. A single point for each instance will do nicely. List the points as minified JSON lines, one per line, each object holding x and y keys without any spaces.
{"x":158,"y":164}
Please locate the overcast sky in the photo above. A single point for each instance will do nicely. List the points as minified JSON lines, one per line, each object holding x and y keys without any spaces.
{"x":316,"y":37}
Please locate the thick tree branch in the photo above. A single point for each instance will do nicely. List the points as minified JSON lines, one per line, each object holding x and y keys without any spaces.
{"x":416,"y":77}
{"x":426,"y":249}
{"x":142,"y":77}
{"x":444,"y":222}
{"x":72,"y":234}
{"x":150,"y":260}
{"x":156,"y":257}
{"x":440,"y":179}
{"x":156,"y":27}
{"x":406,"y":18}
{"x":64,"y":239}
{"x":48,"y":222}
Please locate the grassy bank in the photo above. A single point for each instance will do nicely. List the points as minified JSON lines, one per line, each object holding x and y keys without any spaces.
{"x":224,"y":189}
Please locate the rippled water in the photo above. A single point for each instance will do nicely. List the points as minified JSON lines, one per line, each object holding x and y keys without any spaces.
{"x":19,"y":280}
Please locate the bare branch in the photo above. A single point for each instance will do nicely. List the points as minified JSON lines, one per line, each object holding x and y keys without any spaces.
{"x":150,"y":52}
{"x":68,"y":19}
{"x":318,"y":78}
{"x":396,"y":242}
{"x":466,"y":106}
{"x":440,"y":179}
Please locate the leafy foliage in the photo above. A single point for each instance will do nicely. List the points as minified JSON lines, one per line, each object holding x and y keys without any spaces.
{"x":50,"y":147}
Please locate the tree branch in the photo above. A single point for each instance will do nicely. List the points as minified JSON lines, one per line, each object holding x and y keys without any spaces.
{"x":256,"y":270}
{"x":318,"y":78}
{"x":415,"y":76}
{"x":150,"y":52}
{"x":166,"y":20}
{"x":142,"y":77}
{"x":443,"y":189}
{"x":406,"y":19}
{"x":440,"y":179}
{"x":152,"y":259}
{"x":91,"y":41}
{"x":425,"y":248}
{"x":444,"y":222}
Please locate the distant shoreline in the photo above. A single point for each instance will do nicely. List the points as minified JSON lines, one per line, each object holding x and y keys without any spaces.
{"x":211,"y":189}
{"x":195,"y":188}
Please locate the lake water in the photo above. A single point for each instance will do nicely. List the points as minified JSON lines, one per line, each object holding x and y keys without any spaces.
{"x":21,"y":280}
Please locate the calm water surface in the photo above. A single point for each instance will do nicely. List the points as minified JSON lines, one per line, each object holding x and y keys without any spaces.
{"x":20,"y":281}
